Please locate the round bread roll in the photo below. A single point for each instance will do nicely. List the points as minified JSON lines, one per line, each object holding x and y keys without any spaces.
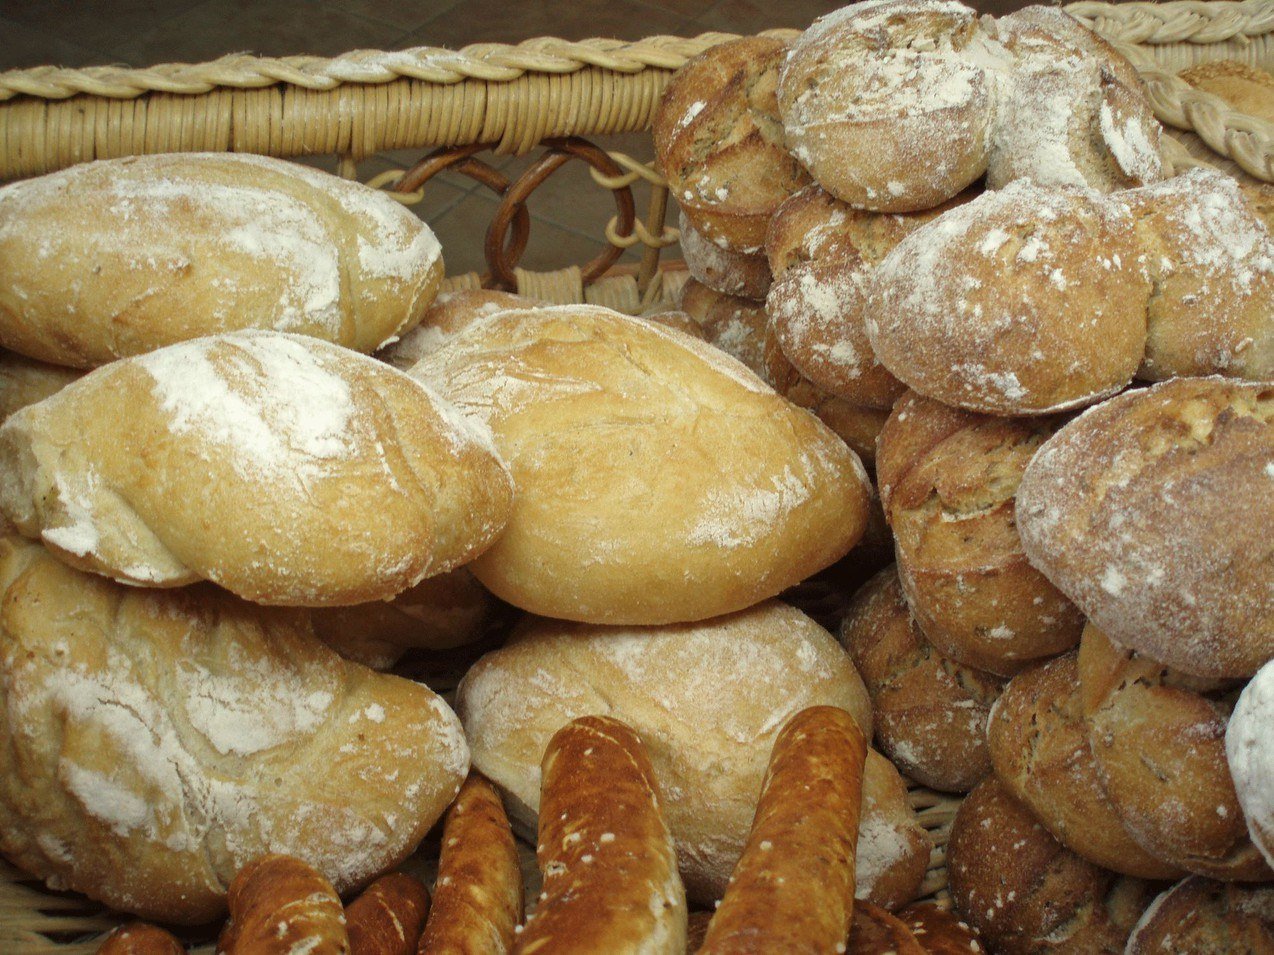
{"x":1206,"y":243}
{"x":889,"y":104}
{"x":658,"y":479}
{"x":930,"y":713}
{"x":439,"y":613}
{"x":450,"y":312}
{"x":738,"y":326}
{"x":978,"y":307}
{"x":720,"y":143}
{"x":155,"y":742}
{"x":949,"y":479}
{"x":24,"y":381}
{"x":812,"y":224}
{"x":1158,"y":741}
{"x":709,"y":748}
{"x":1024,"y":892}
{"x":1200,"y":917}
{"x":1039,"y":747}
{"x":146,"y":251}
{"x":1249,"y":747}
{"x":731,"y":273}
{"x":1151,"y":512}
{"x":286,"y":469}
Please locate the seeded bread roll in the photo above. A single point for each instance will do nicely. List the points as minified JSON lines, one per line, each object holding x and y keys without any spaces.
{"x":1025,"y":300}
{"x":1158,"y":738}
{"x":948,"y":479}
{"x":609,"y":424}
{"x":1211,"y":259}
{"x":1151,"y":512}
{"x":286,"y":469}
{"x":449,"y":312}
{"x":155,"y":742}
{"x":24,"y":381}
{"x":1249,"y":748}
{"x":1024,"y":892}
{"x":731,"y":273}
{"x":720,"y":143}
{"x":930,"y":712}
{"x":1200,"y":917}
{"x":1039,"y":747}
{"x":142,"y":252}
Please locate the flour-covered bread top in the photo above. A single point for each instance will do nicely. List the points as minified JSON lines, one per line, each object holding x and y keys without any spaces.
{"x":286,"y":469}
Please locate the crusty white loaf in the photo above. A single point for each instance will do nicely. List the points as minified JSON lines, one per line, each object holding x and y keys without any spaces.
{"x":286,"y":469}
{"x":122,"y":256}
{"x":658,"y":480}
{"x":154,"y":742}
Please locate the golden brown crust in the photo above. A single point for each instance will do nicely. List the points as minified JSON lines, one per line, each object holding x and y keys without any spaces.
{"x":719,"y":268}
{"x":1130,"y":510}
{"x":941,"y":932}
{"x":1247,"y":88}
{"x":387,"y":917}
{"x":793,"y":887}
{"x":478,"y":894}
{"x":1040,"y":750}
{"x":140,"y":938}
{"x":610,"y":871}
{"x":1198,"y":916}
{"x":279,"y":905}
{"x":736,"y":325}
{"x":446,"y":315}
{"x":893,"y":849}
{"x":876,"y":931}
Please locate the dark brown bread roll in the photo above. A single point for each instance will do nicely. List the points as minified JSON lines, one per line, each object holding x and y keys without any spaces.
{"x":876,"y":931}
{"x":941,"y":932}
{"x":1200,"y":917}
{"x":719,"y":268}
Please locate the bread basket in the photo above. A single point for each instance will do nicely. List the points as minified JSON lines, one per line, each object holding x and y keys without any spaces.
{"x":556,"y":98}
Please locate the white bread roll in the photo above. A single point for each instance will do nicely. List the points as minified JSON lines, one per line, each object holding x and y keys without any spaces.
{"x":24,"y":381}
{"x":118,"y":257}
{"x":1249,"y":749}
{"x":155,"y":742}
{"x":286,"y":469}
{"x":658,"y":479}
{"x":707,"y":699}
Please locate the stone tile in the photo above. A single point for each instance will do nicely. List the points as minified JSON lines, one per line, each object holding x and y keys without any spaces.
{"x":401,"y":16}
{"x":23,"y":47}
{"x":499,"y":21}
{"x":753,"y":16}
{"x":97,"y":25}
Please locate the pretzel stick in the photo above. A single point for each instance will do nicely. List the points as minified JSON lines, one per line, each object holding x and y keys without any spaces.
{"x":280,"y":905}
{"x":387,"y":918}
{"x":140,"y":938}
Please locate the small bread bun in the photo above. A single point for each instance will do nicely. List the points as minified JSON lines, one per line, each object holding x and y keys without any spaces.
{"x":1211,"y":258}
{"x":24,"y":381}
{"x":949,"y":478}
{"x":1249,"y":747}
{"x":887,"y":105}
{"x":1151,"y":512}
{"x":731,"y":273}
{"x":608,"y":424}
{"x":1200,"y":917}
{"x":1158,"y":740}
{"x":1247,"y":88}
{"x":1024,"y":892}
{"x":449,"y":312}
{"x":1040,"y":750}
{"x":809,"y":224}
{"x":978,"y":308}
{"x":893,"y":849}
{"x":930,"y":713}
{"x":137,"y":253}
{"x":720,"y":143}
{"x":736,"y":325}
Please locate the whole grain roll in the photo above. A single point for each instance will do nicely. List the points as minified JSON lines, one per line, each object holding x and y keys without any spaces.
{"x":24,"y":381}
{"x":930,"y":713}
{"x":709,"y":748}
{"x":137,"y":253}
{"x":658,"y":479}
{"x":1249,"y":747}
{"x":1039,"y":747}
{"x":284,"y":468}
{"x":1198,"y":916}
{"x":949,"y":480}
{"x":1151,"y":511}
{"x":448,"y":313}
{"x":720,"y":143}
{"x":1022,"y":301}
{"x":731,"y":273}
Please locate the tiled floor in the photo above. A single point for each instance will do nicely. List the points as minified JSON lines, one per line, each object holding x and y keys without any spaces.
{"x":144,"y":32}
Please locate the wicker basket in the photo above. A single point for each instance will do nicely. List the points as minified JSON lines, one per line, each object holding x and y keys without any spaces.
{"x":545,"y":93}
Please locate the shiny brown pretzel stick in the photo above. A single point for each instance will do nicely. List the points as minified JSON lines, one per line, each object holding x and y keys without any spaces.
{"x":388,"y":917}
{"x":140,"y":938}
{"x":279,"y":905}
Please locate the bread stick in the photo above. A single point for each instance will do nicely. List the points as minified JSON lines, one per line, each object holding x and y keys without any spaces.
{"x":387,"y":918}
{"x":140,"y":938}
{"x":279,"y":905}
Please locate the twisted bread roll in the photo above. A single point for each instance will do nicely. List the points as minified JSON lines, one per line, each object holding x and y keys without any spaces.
{"x":24,"y":381}
{"x":157,"y":741}
{"x":288,"y":470}
{"x":280,"y":906}
{"x":143,"y":252}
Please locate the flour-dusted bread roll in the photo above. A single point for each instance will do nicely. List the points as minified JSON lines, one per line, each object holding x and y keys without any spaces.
{"x":1198,"y":916}
{"x":157,"y":741}
{"x":658,"y":480}
{"x":1152,"y":513}
{"x":736,"y":325}
{"x":708,"y":700}
{"x":1249,"y":747}
{"x":449,"y":312}
{"x":286,"y":469}
{"x":731,"y":273}
{"x":1025,"y":300}
{"x":24,"y":381}
{"x":720,"y":143}
{"x":122,"y":256}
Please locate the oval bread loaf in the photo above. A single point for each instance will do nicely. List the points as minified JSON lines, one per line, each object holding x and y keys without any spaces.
{"x":142,"y":252}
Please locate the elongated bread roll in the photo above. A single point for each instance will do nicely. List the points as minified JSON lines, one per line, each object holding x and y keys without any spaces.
{"x":281,"y":906}
{"x":610,"y":870}
{"x":793,"y":887}
{"x":157,"y":741}
{"x":133,"y":254}
{"x":286,"y":469}
{"x":388,"y":917}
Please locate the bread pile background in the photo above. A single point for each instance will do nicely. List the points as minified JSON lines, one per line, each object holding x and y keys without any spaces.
{"x":251,"y":462}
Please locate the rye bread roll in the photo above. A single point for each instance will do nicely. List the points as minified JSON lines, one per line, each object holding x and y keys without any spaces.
{"x":24,"y":381}
{"x":1198,"y":916}
{"x":446,"y":315}
{"x":949,"y":479}
{"x":731,"y":273}
{"x":609,"y":424}
{"x":1151,"y":512}
{"x":137,"y":253}
{"x":1249,"y":748}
